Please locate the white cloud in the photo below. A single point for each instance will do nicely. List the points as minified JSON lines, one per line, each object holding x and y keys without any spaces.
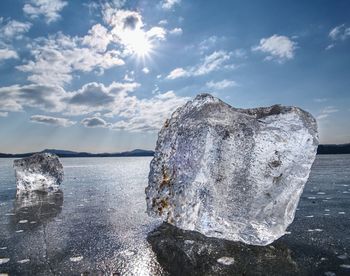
{"x":326,"y":111}
{"x":98,"y":38}
{"x":14,"y":29}
{"x":92,"y":7}
{"x":129,"y":76}
{"x":221,"y":84}
{"x":145,"y":70}
{"x":94,"y":122}
{"x":279,"y":48}
{"x":44,"y":97}
{"x":4,"y":114}
{"x":163,"y":22}
{"x":7,"y":54}
{"x":117,"y":4}
{"x":49,"y":120}
{"x":340,"y":32}
{"x":156,"y":33}
{"x":209,"y":63}
{"x":176,"y":31}
{"x":57,"y":57}
{"x":169,"y":4}
{"x":122,"y":20}
{"x":149,"y":114}
{"x":115,"y":101}
{"x":208,"y":43}
{"x":132,"y":113}
{"x":93,"y":97}
{"x":211,"y":42}
{"x":49,"y":9}
{"x":177,"y":73}
{"x":9,"y":30}
{"x":330,"y":46}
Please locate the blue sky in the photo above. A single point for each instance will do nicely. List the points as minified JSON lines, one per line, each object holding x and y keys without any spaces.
{"x":102,"y":76}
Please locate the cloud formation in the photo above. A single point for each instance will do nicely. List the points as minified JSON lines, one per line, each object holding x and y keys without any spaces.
{"x":145,"y":70}
{"x":221,"y":84}
{"x":326,"y":111}
{"x":49,"y":9}
{"x":13,"y":29}
{"x":209,"y":63}
{"x":169,"y":4}
{"x":94,"y":122}
{"x":44,"y":97}
{"x":7,"y":54}
{"x":208,"y":43}
{"x":134,"y":114}
{"x":93,"y":97}
{"x":176,"y":31}
{"x":49,"y":120}
{"x":277,"y":47}
{"x":10,"y":30}
{"x":148,"y":114}
{"x":338,"y":33}
{"x":177,"y":73}
{"x":115,"y":101}
{"x":98,"y":38}
{"x":55,"y":59}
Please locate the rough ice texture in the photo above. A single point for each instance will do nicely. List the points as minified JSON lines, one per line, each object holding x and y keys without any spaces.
{"x":39,"y":172}
{"x":231,"y":173}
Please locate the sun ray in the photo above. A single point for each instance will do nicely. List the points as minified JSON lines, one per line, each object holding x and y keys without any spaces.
{"x":139,"y":44}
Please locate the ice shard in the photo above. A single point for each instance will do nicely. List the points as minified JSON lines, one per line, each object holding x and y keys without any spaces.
{"x":39,"y":172}
{"x":231,"y":173}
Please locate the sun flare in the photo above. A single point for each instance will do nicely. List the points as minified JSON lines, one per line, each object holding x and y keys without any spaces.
{"x":139,"y":43}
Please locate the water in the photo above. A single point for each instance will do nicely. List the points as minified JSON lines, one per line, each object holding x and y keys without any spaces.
{"x":98,"y":226}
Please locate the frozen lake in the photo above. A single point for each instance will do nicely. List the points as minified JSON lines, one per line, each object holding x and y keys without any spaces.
{"x":97,"y":225}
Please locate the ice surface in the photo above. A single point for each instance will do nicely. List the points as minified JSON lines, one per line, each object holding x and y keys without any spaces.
{"x":4,"y":260}
{"x":76,"y":259}
{"x":35,"y":208}
{"x":231,"y":173}
{"x":226,"y":260}
{"x":39,"y":172}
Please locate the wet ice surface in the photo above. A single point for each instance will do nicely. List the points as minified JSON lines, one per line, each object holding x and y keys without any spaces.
{"x":98,"y":225}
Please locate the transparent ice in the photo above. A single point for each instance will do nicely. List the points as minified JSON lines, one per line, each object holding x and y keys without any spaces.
{"x":231,"y":173}
{"x":39,"y":172}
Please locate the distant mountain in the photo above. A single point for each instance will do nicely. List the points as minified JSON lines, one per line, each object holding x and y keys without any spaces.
{"x":334,"y":149}
{"x":322,"y":149}
{"x":67,"y":153}
{"x":55,"y":151}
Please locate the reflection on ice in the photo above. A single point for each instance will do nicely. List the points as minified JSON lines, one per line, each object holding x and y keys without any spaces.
{"x":36,"y":208}
{"x":191,"y":253}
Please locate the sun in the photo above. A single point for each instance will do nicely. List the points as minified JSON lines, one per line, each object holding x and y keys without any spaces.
{"x":139,"y":43}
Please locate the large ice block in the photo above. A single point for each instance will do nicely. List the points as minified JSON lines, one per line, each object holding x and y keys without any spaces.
{"x":231,"y":173}
{"x":39,"y":172}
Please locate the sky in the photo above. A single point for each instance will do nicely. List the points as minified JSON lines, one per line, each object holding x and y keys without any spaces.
{"x":102,"y":76}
